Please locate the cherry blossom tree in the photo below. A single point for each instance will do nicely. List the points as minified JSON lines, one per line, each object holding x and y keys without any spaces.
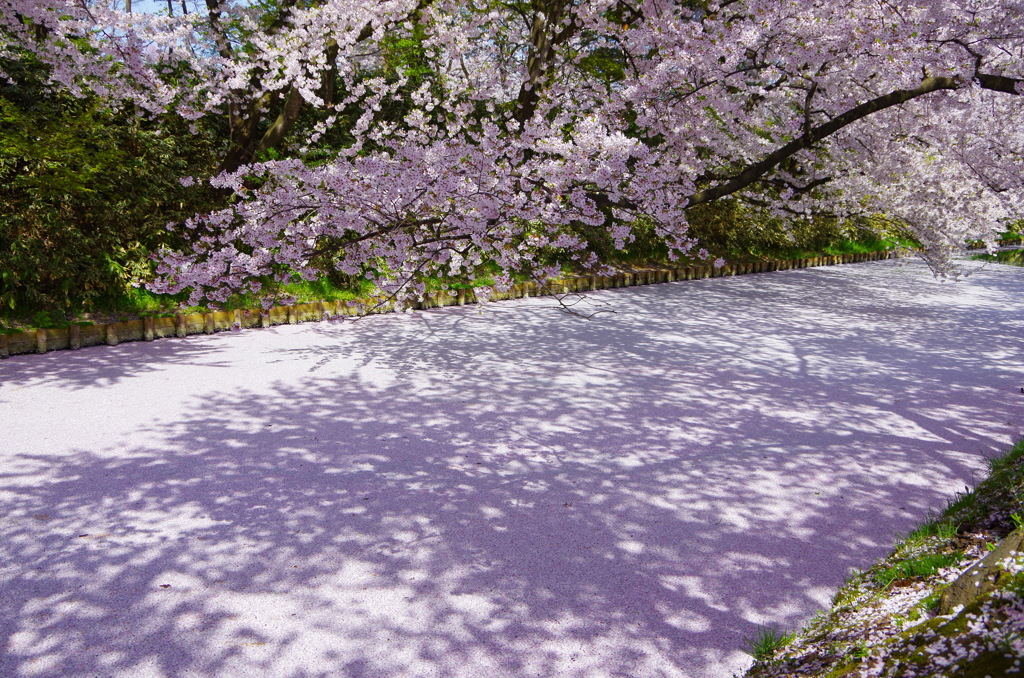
{"x":530,"y":121}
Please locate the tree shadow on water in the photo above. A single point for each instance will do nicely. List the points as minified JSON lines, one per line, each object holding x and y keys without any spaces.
{"x":516,"y":494}
{"x":104,"y":365}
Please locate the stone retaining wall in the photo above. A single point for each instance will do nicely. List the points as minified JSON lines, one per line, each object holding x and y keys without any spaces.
{"x":150,"y":328}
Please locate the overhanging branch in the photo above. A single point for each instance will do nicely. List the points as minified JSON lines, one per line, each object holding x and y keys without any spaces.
{"x":813,"y":135}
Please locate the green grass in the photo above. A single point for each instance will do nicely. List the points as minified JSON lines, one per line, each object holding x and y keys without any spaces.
{"x":766,"y":642}
{"x":1003,"y":462}
{"x":848,"y":246}
{"x":138,"y":302}
{"x":943,"y":529}
{"x":1011,"y":257}
{"x":1005,"y":475}
{"x":921,"y":566}
{"x":1002,"y":491}
{"x":867,"y":628}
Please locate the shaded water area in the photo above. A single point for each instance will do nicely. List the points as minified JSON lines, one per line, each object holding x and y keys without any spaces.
{"x":505,"y":492}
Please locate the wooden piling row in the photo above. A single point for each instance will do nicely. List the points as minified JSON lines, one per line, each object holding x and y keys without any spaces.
{"x":180,"y":325}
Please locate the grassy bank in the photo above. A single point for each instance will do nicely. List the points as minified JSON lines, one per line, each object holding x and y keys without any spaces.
{"x":1012,"y":257}
{"x":948,"y":601}
{"x":135,"y":302}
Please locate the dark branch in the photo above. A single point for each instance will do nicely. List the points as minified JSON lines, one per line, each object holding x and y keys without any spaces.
{"x":759,"y":169}
{"x":811,"y":136}
{"x":999,"y":83}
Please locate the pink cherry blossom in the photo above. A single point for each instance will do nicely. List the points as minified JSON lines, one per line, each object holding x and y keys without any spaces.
{"x":534,"y":123}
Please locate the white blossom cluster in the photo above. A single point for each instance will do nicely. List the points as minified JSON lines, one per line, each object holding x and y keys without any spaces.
{"x":535,"y":121}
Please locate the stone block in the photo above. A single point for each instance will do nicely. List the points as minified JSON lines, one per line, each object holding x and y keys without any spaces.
{"x":57,"y":339}
{"x":21,"y":342}
{"x":982,"y":577}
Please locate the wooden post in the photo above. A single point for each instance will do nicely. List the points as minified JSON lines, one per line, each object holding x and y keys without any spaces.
{"x":111,"y":334}
{"x":5,"y":346}
{"x":207,"y":323}
{"x":180,"y":325}
{"x":264,"y":318}
{"x":461,"y":297}
{"x":236,"y":319}
{"x":148,"y":332}
{"x":74,"y":336}
{"x":40,"y":341}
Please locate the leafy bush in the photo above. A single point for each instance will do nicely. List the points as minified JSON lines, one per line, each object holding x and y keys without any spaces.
{"x":85,"y":194}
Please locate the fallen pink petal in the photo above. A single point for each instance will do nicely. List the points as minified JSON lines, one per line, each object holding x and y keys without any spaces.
{"x":507,"y":493}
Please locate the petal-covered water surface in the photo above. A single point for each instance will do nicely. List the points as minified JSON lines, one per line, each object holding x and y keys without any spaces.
{"x":505,"y":491}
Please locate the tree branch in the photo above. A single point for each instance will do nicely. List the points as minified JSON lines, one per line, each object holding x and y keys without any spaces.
{"x":813,"y":135}
{"x":999,"y":83}
{"x":284,"y":122}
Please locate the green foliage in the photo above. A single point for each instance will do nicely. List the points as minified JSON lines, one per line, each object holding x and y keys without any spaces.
{"x":1011,"y":257}
{"x":406,"y":56}
{"x":733,"y":230}
{"x":139,"y":301}
{"x":739,"y":232}
{"x":606,"y":64}
{"x":646,"y":247}
{"x":85,"y":194}
{"x":931,"y":601}
{"x":48,"y":320}
{"x":767,"y":642}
